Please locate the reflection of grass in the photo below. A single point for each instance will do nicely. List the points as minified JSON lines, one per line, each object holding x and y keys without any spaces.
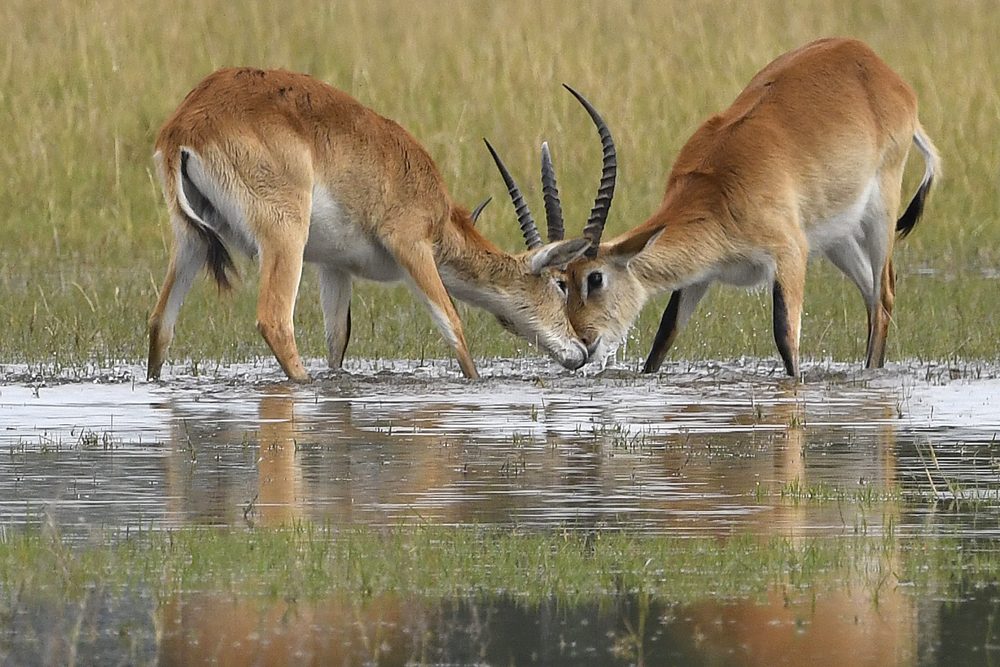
{"x":947,"y":489}
{"x":795,"y":492}
{"x":80,"y":438}
{"x":305,"y":561}
{"x":83,"y":238}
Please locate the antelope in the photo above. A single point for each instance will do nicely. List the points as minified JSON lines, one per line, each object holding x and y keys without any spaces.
{"x":287,"y":169}
{"x":809,"y":159}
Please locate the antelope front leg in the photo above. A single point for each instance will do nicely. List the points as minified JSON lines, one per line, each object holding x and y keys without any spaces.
{"x":335,"y":297}
{"x":418,"y":260}
{"x":675,"y":316}
{"x":665,"y":335}
{"x":280,"y":272}
{"x":788,"y":294}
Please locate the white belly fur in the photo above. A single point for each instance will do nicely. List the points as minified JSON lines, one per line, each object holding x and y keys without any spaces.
{"x":857,"y":223}
{"x":336,"y":240}
{"x":751,"y":272}
{"x":849,"y":223}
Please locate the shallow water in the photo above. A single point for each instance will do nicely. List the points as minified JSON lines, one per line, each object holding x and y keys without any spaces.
{"x":696,"y":450}
{"x":786,"y":628}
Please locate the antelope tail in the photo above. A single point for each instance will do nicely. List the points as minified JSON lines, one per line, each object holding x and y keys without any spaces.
{"x":932,"y":169}
{"x":194,"y":207}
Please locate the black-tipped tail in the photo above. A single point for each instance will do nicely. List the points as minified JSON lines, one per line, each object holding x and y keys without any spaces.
{"x":219,"y":263}
{"x":914,"y":211}
{"x":932,"y":168}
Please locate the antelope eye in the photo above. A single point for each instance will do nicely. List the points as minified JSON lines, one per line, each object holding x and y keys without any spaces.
{"x":595,"y":281}
{"x":561,"y":284}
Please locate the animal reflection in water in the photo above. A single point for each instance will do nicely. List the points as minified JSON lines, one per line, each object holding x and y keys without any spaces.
{"x":375,"y":460}
{"x":336,"y":463}
{"x":276,"y":468}
{"x":829,"y":628}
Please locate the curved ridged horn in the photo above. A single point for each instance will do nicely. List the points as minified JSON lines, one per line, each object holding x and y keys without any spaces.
{"x":524,"y":219}
{"x":606,"y":190}
{"x":553,"y":207}
{"x":479,"y":209}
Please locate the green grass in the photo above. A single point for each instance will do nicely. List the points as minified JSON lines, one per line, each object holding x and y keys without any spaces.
{"x":435,"y":562}
{"x":84,"y":87}
{"x":795,"y":492}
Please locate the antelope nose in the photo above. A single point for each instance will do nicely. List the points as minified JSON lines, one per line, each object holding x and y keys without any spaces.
{"x":591,"y":343}
{"x":577,"y":358}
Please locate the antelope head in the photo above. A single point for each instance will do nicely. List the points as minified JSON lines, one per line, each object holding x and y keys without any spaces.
{"x":607,"y":291}
{"x":539,"y":296}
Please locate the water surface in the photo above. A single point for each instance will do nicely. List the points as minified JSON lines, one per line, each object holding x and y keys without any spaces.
{"x":698,"y":450}
{"x":693,"y":450}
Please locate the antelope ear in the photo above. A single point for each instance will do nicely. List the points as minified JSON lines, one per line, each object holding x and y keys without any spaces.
{"x":476,"y":212}
{"x":558,"y":253}
{"x":624,"y":251}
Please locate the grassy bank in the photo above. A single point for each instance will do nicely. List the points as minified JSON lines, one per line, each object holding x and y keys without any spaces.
{"x":307,"y":562}
{"x":84,"y":87}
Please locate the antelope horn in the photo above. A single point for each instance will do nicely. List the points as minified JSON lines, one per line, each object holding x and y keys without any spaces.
{"x":524,"y":219}
{"x":553,"y":208}
{"x":606,"y":190}
{"x":479,"y":209}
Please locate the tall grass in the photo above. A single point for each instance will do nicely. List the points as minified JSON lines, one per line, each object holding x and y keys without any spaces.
{"x":85,"y":85}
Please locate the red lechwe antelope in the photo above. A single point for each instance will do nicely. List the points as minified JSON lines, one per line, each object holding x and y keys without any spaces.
{"x":808,"y":159}
{"x":287,"y":169}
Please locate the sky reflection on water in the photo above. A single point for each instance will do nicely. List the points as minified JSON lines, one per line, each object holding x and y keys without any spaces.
{"x":695,"y":451}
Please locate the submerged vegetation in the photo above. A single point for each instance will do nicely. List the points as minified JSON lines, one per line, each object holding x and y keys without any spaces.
{"x":83,"y":233}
